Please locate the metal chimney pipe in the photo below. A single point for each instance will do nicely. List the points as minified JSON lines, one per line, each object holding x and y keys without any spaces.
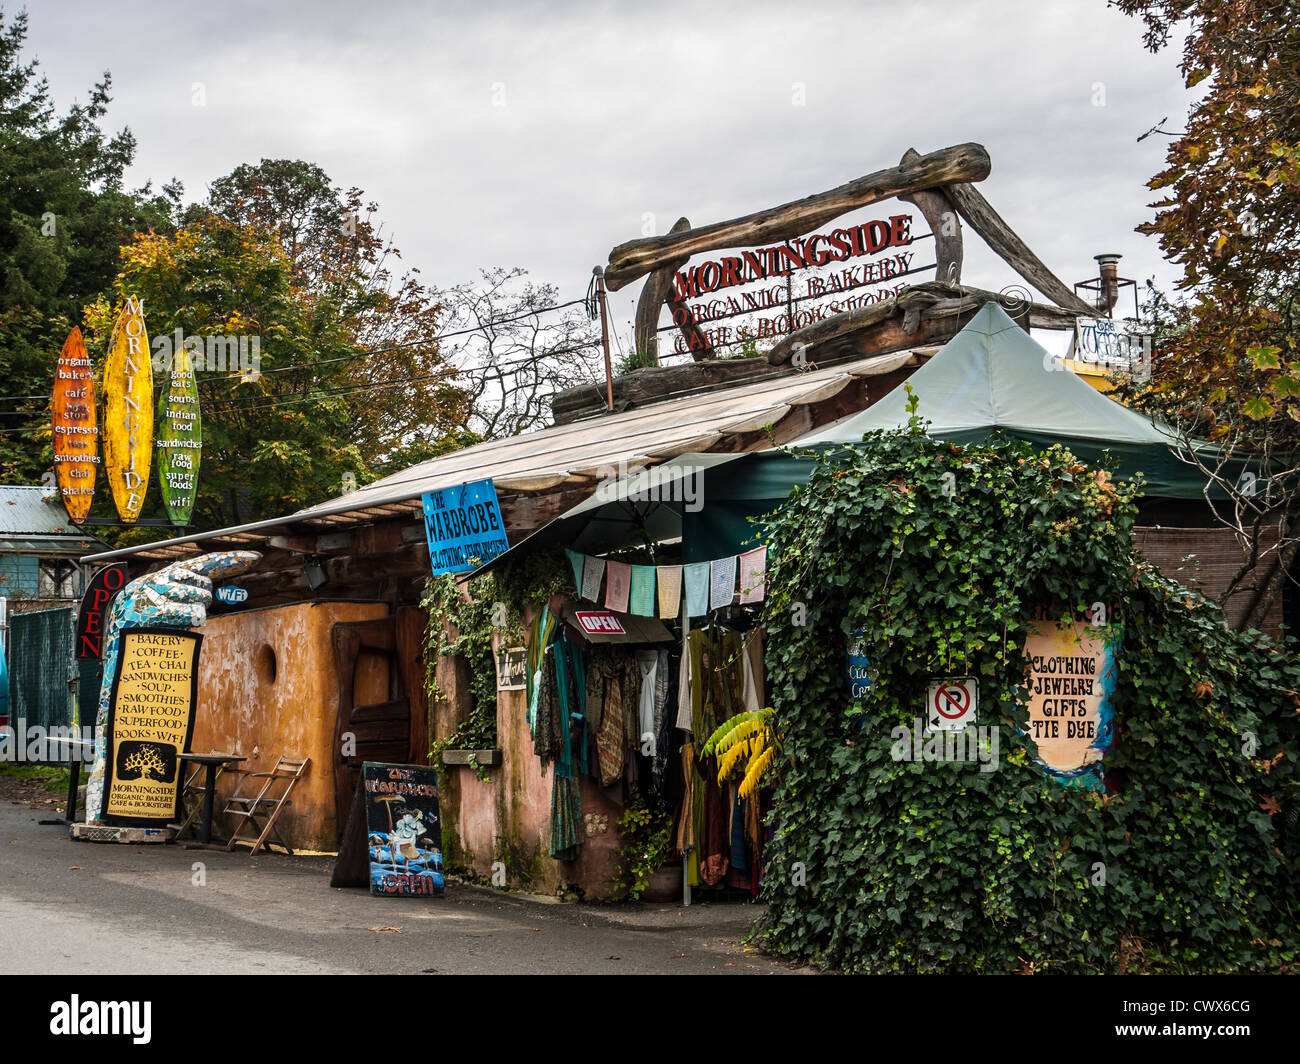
{"x":1108,"y":267}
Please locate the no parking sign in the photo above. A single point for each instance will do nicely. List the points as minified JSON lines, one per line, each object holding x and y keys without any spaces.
{"x":951,"y":704}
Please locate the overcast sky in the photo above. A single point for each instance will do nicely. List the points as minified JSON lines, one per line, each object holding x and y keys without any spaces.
{"x":542,"y":134}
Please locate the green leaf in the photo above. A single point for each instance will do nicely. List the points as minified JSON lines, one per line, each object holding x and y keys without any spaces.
{"x":1258,"y":408}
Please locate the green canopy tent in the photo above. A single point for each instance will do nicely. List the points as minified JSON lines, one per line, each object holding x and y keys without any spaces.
{"x":991,"y":377}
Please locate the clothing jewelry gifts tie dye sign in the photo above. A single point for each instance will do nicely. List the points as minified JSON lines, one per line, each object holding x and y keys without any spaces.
{"x":1073,"y":668}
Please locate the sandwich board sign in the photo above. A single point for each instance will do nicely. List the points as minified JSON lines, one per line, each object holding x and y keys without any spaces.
{"x":151,"y":716}
{"x":404,"y":830}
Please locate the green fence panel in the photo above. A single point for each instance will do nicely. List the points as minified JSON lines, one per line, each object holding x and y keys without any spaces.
{"x":40,"y":664}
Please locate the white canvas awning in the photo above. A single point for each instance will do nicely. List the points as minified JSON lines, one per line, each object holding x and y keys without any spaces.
{"x":572,"y":456}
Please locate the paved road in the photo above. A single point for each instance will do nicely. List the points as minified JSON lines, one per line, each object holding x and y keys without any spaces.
{"x":82,"y":908}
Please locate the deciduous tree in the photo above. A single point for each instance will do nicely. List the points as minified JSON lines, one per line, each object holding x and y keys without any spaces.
{"x":1228,"y":367}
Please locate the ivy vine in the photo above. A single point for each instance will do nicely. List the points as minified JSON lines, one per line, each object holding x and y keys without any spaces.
{"x":464,"y":626}
{"x":939,"y":555}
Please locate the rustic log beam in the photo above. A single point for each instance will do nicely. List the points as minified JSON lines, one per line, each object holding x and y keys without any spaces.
{"x":999,"y":236}
{"x":942,"y":218}
{"x":636,"y":258}
{"x":654,"y":294}
{"x":915,"y":305}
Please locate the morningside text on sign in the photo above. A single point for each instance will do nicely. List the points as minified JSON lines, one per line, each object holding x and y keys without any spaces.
{"x":463,"y":526}
{"x":778,"y":261}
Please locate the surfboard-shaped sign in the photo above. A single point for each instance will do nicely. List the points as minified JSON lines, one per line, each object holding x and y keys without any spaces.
{"x":180,"y":439}
{"x":128,"y":412}
{"x":76,"y":436}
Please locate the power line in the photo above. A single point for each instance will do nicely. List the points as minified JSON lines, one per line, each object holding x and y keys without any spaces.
{"x":406,"y":343}
{"x":449,"y":374}
{"x":490,"y":324}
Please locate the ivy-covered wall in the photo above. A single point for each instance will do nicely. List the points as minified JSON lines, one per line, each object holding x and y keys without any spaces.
{"x":941,"y":555}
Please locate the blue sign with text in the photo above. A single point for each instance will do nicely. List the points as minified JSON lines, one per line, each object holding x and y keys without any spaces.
{"x":859,"y":674}
{"x":464,"y":527}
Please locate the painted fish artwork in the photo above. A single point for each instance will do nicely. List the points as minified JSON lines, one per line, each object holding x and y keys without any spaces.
{"x":128,"y":412}
{"x":76,"y":435}
{"x":404,"y":830}
{"x":180,"y":439}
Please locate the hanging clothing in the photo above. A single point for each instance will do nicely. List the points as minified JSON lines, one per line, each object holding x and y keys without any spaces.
{"x":684,"y":716}
{"x":571,"y":692}
{"x":561,"y":702}
{"x":648,"y":662}
{"x":738,"y":857}
{"x":665,"y":710}
{"x":613,"y":693}
{"x":546,"y":728}
{"x":753,"y":696}
{"x":714,"y":837}
{"x":684,"y":837}
{"x":540,"y":633}
{"x":566,"y":819}
{"x":717,"y":682}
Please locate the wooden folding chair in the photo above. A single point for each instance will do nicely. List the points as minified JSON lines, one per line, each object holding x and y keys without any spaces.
{"x":191,"y":801}
{"x":261,"y":810}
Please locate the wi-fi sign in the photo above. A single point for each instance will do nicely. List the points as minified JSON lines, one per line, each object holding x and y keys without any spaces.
{"x":231,"y":595}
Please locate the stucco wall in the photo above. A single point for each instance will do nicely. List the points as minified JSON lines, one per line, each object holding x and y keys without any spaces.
{"x":267,"y":687}
{"x":508,"y":819}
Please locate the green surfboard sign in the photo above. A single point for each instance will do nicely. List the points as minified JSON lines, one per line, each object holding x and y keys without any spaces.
{"x":179,"y":439}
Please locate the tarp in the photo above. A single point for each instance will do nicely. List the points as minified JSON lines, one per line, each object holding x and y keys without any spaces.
{"x":992,"y":377}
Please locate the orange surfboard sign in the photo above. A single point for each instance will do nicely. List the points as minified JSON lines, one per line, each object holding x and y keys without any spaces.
{"x":76,"y":436}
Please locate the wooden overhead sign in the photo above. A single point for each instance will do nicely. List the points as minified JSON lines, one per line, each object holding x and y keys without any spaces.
{"x":76,"y":436}
{"x":938,"y":183}
{"x":128,"y":412}
{"x":763,"y":280}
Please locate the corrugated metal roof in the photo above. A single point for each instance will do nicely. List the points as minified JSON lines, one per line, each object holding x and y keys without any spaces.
{"x":49,"y":545}
{"x":537,"y":461}
{"x":25,"y":512}
{"x":571,"y":454}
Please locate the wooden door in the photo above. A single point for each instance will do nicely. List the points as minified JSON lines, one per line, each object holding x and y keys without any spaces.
{"x":394,"y":730}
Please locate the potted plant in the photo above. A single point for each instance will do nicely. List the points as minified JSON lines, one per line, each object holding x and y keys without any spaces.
{"x":644,"y":833}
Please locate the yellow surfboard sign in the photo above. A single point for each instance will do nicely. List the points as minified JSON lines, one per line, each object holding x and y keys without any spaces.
{"x":128,"y":412}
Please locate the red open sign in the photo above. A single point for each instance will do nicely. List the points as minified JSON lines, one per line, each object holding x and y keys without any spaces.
{"x":600,"y":622}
